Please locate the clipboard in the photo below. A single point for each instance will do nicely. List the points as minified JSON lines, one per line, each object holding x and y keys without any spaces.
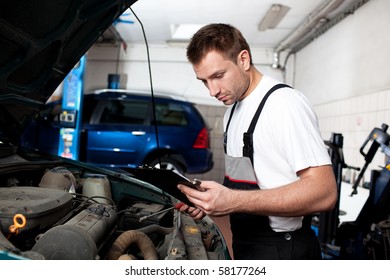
{"x":166,"y":180}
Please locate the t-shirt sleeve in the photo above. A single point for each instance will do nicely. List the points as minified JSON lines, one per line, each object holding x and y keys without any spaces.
{"x":297,"y":134}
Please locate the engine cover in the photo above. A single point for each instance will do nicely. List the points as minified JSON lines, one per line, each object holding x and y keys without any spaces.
{"x":41,"y":207}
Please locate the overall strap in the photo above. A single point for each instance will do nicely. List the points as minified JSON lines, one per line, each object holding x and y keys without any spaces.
{"x":227,"y":127}
{"x":247,"y":149}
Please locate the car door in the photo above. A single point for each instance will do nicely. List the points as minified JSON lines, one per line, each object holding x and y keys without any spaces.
{"x":118,"y":133}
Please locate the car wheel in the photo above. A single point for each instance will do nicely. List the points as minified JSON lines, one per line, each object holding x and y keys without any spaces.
{"x":167,"y":163}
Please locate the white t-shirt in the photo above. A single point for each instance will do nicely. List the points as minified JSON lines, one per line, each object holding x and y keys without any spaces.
{"x":286,"y":139}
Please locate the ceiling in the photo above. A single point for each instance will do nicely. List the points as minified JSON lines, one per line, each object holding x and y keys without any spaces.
{"x":158,"y":16}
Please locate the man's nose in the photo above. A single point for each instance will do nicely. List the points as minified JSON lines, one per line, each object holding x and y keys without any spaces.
{"x":214,"y":89}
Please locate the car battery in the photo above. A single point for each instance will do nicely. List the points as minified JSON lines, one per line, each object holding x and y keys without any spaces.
{"x":133,"y":214}
{"x":38,"y":207}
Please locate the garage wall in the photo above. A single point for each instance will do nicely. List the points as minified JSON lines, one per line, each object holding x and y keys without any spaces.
{"x":346,"y":75}
{"x":170,"y":71}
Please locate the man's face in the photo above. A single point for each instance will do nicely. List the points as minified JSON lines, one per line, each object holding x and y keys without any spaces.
{"x":226,"y":81}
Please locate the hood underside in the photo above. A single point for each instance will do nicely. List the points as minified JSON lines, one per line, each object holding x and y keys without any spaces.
{"x":40,"y":42}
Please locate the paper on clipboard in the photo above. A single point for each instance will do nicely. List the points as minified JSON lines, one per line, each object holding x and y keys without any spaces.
{"x":166,"y":180}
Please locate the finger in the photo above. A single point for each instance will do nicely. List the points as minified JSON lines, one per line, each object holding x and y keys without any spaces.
{"x":195,"y":201}
{"x":195,"y":213}
{"x":184,"y":208}
{"x":192,"y":210}
{"x":189,"y":191}
{"x":197,"y":198}
{"x":199,"y":216}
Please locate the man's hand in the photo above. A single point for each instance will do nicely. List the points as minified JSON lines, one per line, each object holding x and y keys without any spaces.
{"x":215,"y":199}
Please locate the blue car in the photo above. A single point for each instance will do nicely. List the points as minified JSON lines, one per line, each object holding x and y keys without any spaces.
{"x":120,"y":129}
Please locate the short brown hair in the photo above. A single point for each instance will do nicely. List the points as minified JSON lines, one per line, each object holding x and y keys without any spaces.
{"x":219,"y":37}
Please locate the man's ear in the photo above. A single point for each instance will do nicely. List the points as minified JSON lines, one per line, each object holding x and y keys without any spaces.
{"x":244,"y":60}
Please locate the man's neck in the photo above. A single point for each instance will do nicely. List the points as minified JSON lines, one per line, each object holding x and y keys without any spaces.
{"x":255,"y":77}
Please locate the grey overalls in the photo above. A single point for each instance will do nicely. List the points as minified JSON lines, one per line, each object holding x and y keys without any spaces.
{"x":253,"y":238}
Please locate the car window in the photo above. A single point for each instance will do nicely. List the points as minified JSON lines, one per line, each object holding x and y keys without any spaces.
{"x":171,"y":114}
{"x":89,"y":105}
{"x":124,"y":112}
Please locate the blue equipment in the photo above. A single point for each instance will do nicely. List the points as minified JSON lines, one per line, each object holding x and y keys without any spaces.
{"x":70,"y":117}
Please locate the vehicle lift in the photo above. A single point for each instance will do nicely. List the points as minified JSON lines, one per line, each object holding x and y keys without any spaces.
{"x":72,"y":104}
{"x":70,"y":117}
{"x":368,"y":237}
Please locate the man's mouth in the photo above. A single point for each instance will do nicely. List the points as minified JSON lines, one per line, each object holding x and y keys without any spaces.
{"x":222,"y":98}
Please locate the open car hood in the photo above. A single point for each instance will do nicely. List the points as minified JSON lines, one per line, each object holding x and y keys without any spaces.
{"x":40,"y":42}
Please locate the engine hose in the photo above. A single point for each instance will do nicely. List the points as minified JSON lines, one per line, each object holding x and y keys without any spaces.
{"x":128,"y":238}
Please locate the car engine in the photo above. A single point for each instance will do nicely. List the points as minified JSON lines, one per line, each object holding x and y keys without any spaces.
{"x":67,"y":213}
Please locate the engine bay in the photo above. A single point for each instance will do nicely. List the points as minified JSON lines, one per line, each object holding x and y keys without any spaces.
{"x":62,"y":212}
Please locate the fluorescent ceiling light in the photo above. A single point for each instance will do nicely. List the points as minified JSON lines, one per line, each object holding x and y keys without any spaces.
{"x":183,"y":32}
{"x":272,"y":18}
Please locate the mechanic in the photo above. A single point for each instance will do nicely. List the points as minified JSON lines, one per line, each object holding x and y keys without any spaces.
{"x":278,"y":171}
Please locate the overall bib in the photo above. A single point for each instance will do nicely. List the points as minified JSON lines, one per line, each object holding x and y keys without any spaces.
{"x":253,"y":237}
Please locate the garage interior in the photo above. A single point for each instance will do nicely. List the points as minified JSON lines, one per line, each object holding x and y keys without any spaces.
{"x":342,"y":66}
{"x":332,"y":51}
